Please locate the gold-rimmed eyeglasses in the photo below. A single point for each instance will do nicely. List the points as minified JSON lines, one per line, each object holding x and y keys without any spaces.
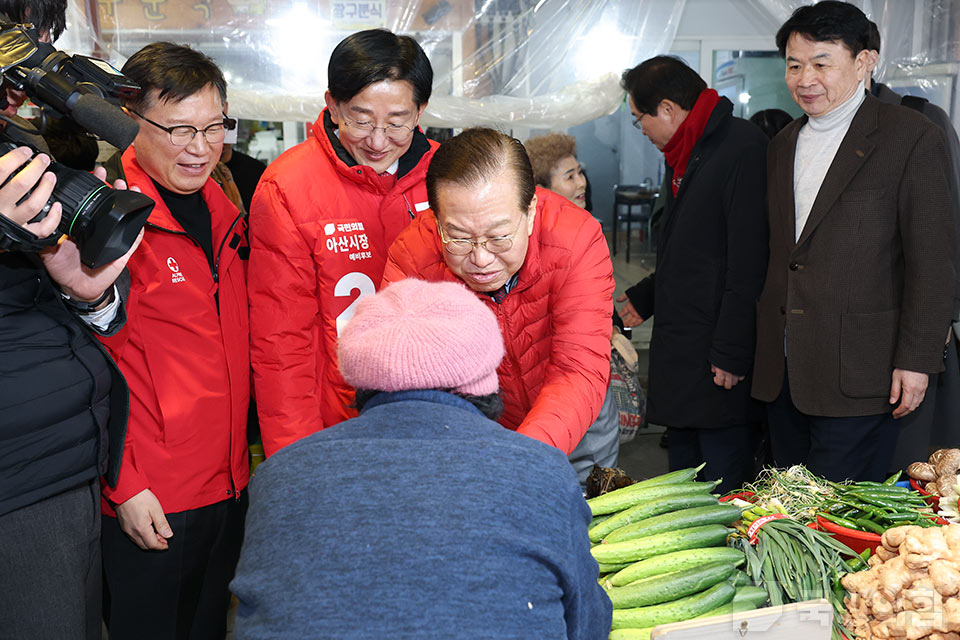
{"x":464,"y":246}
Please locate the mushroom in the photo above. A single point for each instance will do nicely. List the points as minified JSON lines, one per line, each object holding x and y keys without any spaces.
{"x":936,"y":455}
{"x":922,"y":471}
{"x":949,"y":462}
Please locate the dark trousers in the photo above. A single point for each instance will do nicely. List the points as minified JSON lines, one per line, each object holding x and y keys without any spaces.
{"x":181,"y":593}
{"x":855,"y":448}
{"x":50,"y":568}
{"x":728,"y":452}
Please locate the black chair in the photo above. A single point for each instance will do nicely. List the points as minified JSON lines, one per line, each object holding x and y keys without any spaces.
{"x":630,"y":197}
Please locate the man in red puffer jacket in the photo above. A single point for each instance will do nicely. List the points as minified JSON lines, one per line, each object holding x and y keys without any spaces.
{"x":173,"y":525}
{"x":321,"y":221}
{"x":542,"y":265}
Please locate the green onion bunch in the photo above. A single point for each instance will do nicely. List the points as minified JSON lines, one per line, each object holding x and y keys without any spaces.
{"x":794,"y":563}
{"x":798,"y":492}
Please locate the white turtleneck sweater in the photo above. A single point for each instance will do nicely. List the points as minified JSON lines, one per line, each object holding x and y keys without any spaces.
{"x":817,"y":145}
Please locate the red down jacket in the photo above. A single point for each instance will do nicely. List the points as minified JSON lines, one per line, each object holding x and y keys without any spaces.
{"x":556,"y":321}
{"x":187,"y":364}
{"x":319,"y":233}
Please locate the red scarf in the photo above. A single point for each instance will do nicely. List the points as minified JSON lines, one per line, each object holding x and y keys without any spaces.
{"x":677,"y":151}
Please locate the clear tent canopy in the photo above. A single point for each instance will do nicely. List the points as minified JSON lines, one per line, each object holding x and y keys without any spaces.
{"x":533,"y":63}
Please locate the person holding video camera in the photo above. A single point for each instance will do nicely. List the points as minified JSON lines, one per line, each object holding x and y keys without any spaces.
{"x":173,"y":525}
{"x":63,"y":401}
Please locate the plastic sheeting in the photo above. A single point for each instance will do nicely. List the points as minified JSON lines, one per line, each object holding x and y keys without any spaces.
{"x":920,"y":45}
{"x":531,"y":63}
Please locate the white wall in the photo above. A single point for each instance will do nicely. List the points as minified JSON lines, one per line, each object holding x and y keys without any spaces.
{"x":725,"y":18}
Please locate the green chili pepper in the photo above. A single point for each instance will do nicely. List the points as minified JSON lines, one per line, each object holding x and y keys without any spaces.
{"x":900,"y":518}
{"x":892,"y":480}
{"x":884,"y":490}
{"x":843,"y":522}
{"x":880,"y":501}
{"x":870,"y":525}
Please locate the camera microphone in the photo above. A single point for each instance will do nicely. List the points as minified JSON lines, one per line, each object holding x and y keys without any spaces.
{"x":103,"y":222}
{"x":104,"y":120}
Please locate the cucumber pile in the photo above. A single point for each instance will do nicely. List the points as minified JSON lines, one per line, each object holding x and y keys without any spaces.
{"x":660,"y":545}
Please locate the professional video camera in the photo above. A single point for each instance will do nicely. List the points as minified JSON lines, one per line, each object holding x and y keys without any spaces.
{"x":86,"y":91}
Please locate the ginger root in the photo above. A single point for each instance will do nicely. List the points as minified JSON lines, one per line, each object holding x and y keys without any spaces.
{"x":945,"y":578}
{"x":893,"y":538}
{"x":912,"y":588}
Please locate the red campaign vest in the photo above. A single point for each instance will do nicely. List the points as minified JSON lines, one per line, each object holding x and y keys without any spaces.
{"x":186,"y":361}
{"x":319,"y":234}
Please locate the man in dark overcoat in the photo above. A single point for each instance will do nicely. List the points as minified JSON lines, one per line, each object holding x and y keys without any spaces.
{"x":711,"y":256}
{"x":859,"y":289}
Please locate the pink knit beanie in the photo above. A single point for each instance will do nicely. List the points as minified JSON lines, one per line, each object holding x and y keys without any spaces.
{"x":422,"y":335}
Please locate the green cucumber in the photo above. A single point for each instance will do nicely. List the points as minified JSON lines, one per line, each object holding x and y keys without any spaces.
{"x":646,"y":510}
{"x":670,"y":586}
{"x":680,"y":475}
{"x":682,"y":609}
{"x":675,"y":561}
{"x":756,"y":596}
{"x":628,"y":496}
{"x":613,"y":568}
{"x":598,"y":520}
{"x":742,"y":580}
{"x":745,"y":599}
{"x":710,"y":535}
{"x":684,"y":518}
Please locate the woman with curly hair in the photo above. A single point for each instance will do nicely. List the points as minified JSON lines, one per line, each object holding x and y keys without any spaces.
{"x":555,"y":166}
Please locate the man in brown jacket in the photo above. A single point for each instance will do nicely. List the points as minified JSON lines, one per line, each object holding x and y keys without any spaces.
{"x":859,"y":289}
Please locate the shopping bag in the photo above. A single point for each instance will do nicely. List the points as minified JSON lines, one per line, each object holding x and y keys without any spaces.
{"x":631,"y":402}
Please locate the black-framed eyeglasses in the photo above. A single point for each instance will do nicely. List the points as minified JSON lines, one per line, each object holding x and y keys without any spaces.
{"x":396,"y":132}
{"x":636,"y":121}
{"x":183,"y":134}
{"x":464,"y":246}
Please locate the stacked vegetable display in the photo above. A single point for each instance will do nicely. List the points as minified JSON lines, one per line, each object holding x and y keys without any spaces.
{"x":669,"y":550}
{"x":871,"y":507}
{"x":660,"y":544}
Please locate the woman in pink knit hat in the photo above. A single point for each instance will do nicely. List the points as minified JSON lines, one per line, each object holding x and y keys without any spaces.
{"x":419,"y":335}
{"x":420,"y":518}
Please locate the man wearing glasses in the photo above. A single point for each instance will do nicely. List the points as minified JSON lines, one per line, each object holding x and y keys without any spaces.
{"x":711,"y":259}
{"x":542,"y":265}
{"x":173,"y":525}
{"x":321,"y":221}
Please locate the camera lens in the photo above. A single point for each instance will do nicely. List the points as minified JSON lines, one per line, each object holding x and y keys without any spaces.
{"x":103,"y":222}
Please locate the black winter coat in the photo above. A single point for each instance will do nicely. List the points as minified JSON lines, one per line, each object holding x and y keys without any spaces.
{"x":61,"y":396}
{"x":711,"y":261}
